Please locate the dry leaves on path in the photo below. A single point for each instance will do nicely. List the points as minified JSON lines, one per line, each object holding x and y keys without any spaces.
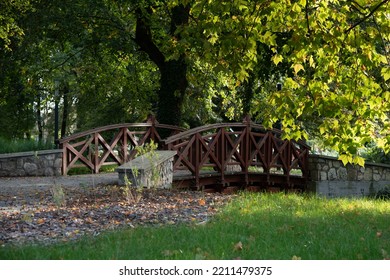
{"x":30,"y":216}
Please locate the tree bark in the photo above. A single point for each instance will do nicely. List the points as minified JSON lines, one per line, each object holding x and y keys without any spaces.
{"x":39,"y":118}
{"x":65,"y":110}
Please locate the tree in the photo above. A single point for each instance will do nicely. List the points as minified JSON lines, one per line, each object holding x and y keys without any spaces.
{"x":332,"y":57}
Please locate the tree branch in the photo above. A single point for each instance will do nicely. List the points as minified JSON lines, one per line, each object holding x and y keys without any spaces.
{"x":143,"y":37}
{"x":366,"y":16}
{"x":307,"y":18}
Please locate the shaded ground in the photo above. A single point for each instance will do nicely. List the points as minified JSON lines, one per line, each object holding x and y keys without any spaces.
{"x":40,"y":211}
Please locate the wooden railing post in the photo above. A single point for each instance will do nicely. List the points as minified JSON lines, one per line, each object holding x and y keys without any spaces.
{"x":124,"y":145}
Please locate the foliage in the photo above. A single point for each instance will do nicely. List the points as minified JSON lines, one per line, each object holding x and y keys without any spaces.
{"x":10,"y":31}
{"x":118,"y":61}
{"x":372,"y":153}
{"x":59,"y":196}
{"x":24,"y":145}
{"x":255,"y":226}
{"x":383,"y":194}
{"x":133,"y":188}
{"x":131,"y":193}
{"x":339,"y":59}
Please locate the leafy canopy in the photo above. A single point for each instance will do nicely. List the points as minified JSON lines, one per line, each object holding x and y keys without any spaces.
{"x":339,"y":60}
{"x":333,"y":55}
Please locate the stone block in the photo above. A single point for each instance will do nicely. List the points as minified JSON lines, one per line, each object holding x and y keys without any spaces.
{"x":368,"y":174}
{"x":342,"y":173}
{"x":30,"y":168}
{"x":336,"y":163}
{"x":142,"y":171}
{"x":58,"y":163}
{"x":332,"y":174}
{"x":376,"y":177}
{"x":9,"y":165}
{"x":352,"y":173}
{"x":50,"y":157}
{"x":49,"y":171}
{"x":19,"y":163}
{"x":323,"y":176}
{"x":325,"y":167}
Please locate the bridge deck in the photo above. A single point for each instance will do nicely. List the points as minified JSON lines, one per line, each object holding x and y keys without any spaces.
{"x":212,"y":179}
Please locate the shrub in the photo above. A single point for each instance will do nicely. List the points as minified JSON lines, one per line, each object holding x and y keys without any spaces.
{"x":383,"y":194}
{"x":23,"y":145}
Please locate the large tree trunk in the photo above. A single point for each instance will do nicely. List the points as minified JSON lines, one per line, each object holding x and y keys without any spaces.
{"x":172,"y":90}
{"x":65,"y":111}
{"x":173,"y":80}
{"x":248,"y":96}
{"x":39,"y":118}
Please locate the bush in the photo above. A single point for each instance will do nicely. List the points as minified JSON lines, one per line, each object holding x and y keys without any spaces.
{"x":23,"y":145}
{"x":383,"y":194}
{"x":375,"y":154}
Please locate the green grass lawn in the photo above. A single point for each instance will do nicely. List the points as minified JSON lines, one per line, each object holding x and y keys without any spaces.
{"x":251,"y":226}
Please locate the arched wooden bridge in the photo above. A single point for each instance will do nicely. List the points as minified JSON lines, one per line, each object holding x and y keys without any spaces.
{"x":212,"y":156}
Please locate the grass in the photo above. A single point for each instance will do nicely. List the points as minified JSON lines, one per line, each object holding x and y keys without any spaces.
{"x":252,"y":226}
{"x":82,"y":170}
{"x":23,"y":145}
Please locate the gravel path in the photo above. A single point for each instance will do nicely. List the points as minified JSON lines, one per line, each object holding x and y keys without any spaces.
{"x":65,"y":181}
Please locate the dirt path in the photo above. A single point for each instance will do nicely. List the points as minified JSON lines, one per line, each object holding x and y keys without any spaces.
{"x":9,"y":184}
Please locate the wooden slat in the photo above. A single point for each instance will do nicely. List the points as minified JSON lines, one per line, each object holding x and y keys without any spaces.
{"x":216,"y":145}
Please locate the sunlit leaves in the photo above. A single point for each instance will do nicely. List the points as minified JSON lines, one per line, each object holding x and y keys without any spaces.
{"x":336,"y":82}
{"x":277,"y":58}
{"x":386,"y":73}
{"x":9,"y":27}
{"x":298,"y":67}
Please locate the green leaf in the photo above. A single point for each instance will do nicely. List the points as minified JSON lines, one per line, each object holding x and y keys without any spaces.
{"x":386,"y":73}
{"x":296,"y":8}
{"x":298,"y":67}
{"x":345,"y":158}
{"x":277,"y":58}
{"x":358,"y":160}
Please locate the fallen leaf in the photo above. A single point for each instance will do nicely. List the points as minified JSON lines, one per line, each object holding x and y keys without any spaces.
{"x":202,"y":202}
{"x":379,"y":234}
{"x":238,"y":246}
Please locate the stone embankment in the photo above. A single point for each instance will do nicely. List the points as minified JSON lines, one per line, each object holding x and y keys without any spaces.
{"x":329,"y":177}
{"x":39,"y":163}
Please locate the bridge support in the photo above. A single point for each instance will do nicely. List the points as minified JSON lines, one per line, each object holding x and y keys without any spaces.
{"x":151,"y":170}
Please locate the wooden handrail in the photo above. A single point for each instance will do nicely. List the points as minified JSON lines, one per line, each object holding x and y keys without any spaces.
{"x":116,"y":126}
{"x":92,"y":150}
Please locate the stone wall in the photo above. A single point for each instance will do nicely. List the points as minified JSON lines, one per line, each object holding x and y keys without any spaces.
{"x":40,"y":163}
{"x":330,"y":178}
{"x":149,"y":171}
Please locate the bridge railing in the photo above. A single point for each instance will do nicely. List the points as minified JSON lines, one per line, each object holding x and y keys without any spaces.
{"x":244,"y":148}
{"x":112,"y":144}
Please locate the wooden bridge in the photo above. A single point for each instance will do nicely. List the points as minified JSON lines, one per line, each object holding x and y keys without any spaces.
{"x":212,"y":156}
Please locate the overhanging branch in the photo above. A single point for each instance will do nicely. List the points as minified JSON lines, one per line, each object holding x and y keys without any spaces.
{"x":363,"y":19}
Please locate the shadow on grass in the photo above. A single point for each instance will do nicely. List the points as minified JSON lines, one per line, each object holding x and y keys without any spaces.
{"x":252,"y":226}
